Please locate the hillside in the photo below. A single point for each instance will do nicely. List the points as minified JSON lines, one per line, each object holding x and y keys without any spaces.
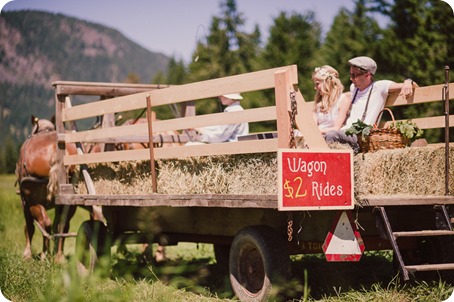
{"x":37,"y":48}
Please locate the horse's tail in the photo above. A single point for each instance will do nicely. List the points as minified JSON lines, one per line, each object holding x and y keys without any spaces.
{"x":53,"y":177}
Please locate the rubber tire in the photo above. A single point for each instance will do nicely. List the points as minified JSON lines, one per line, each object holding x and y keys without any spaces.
{"x":258,"y":261}
{"x":93,"y":243}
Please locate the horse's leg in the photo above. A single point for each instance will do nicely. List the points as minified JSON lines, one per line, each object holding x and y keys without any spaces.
{"x":63,"y":215}
{"x":29,"y":230}
{"x":160,"y":254}
{"x":45,"y":224}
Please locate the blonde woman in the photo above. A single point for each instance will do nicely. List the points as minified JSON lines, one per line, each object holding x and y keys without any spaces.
{"x":331,"y":104}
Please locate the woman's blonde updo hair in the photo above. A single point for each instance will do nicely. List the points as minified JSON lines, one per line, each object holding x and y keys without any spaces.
{"x":331,"y":87}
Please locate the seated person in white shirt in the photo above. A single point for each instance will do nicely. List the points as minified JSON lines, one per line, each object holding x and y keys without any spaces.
{"x":368,"y":98}
{"x":229,"y":132}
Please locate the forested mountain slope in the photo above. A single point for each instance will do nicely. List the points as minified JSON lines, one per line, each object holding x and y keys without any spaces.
{"x":37,"y":48}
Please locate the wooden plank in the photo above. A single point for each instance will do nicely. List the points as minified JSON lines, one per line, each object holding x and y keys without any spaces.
{"x":424,"y":233}
{"x":430,"y":267}
{"x":61,"y":147}
{"x":243,"y":147}
{"x":176,"y":94}
{"x":307,"y":125}
{"x":66,"y":189}
{"x":282,"y":95}
{"x":258,"y":135}
{"x":249,"y":115}
{"x":102,"y":89}
{"x":173,"y":200}
{"x":157,"y":139}
{"x":404,"y":200}
{"x":221,"y":118}
{"x":150,"y":144}
{"x":424,"y":94}
{"x":430,"y":122}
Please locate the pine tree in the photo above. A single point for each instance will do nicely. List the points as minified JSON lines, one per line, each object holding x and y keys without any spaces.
{"x":337,"y":47}
{"x":352,"y":34}
{"x":294,"y":39}
{"x":228,"y":49}
{"x":418,"y":44}
{"x":176,"y":73}
{"x":10,"y":156}
{"x":225,"y":50}
{"x":419,"y":40}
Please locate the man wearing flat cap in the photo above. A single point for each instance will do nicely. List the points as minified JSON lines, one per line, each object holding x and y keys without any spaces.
{"x":368,"y":98}
{"x":225,"y":133}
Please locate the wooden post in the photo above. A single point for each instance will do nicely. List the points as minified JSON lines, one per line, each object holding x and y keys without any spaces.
{"x":80,"y":150}
{"x":306,"y":124}
{"x":151,"y":147}
{"x":61,"y":146}
{"x":304,"y":119}
{"x":446,"y":103}
{"x":188,"y":108}
{"x":108,"y":120}
{"x":282,"y":82}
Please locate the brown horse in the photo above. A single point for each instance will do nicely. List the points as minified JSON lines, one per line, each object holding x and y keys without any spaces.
{"x":36,"y":172}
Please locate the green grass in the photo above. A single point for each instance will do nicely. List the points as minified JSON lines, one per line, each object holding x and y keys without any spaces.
{"x":190,"y":274}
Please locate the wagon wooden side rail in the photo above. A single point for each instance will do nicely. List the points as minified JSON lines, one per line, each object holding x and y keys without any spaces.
{"x":248,"y":227}
{"x":423,"y":95}
{"x":283,"y":80}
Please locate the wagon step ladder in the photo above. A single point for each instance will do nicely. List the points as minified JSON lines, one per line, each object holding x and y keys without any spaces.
{"x":444,"y":225}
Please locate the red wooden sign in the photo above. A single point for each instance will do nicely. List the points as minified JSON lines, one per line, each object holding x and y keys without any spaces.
{"x":315,"y":179}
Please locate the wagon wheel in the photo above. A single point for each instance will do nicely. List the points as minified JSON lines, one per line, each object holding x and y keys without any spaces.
{"x":93,"y":245}
{"x":259,"y":260}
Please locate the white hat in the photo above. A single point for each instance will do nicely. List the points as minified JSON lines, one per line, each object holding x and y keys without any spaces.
{"x":365,"y":63}
{"x":233,"y":96}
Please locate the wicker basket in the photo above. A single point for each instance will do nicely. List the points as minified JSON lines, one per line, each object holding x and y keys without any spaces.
{"x":382,"y":138}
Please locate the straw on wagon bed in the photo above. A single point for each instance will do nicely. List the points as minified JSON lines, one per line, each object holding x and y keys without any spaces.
{"x":227,"y":174}
{"x":408,"y":171}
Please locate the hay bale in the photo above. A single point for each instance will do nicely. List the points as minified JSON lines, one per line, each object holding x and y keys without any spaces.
{"x":409,"y":171}
{"x":232,"y":174}
{"x":132,"y":177}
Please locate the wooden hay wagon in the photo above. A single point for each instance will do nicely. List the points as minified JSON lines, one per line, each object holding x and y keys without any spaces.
{"x":249,"y":198}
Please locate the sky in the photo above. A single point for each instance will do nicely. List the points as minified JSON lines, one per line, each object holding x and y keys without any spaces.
{"x":172,"y":27}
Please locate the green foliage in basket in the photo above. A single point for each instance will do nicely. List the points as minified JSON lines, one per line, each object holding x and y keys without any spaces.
{"x":409,"y":129}
{"x":359,"y":127}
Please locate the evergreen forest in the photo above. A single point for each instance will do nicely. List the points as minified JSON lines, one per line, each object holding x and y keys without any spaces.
{"x":417,"y":42}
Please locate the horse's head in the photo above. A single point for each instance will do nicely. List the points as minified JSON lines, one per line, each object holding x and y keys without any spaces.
{"x":42,"y":125}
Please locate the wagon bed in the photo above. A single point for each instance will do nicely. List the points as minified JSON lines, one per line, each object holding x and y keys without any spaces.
{"x":226,"y":219}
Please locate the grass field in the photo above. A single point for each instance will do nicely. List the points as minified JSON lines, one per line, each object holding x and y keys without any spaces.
{"x":190,"y":274}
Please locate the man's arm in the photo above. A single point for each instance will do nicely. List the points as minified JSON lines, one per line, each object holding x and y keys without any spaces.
{"x":217,"y":134}
{"x":406,"y":88}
